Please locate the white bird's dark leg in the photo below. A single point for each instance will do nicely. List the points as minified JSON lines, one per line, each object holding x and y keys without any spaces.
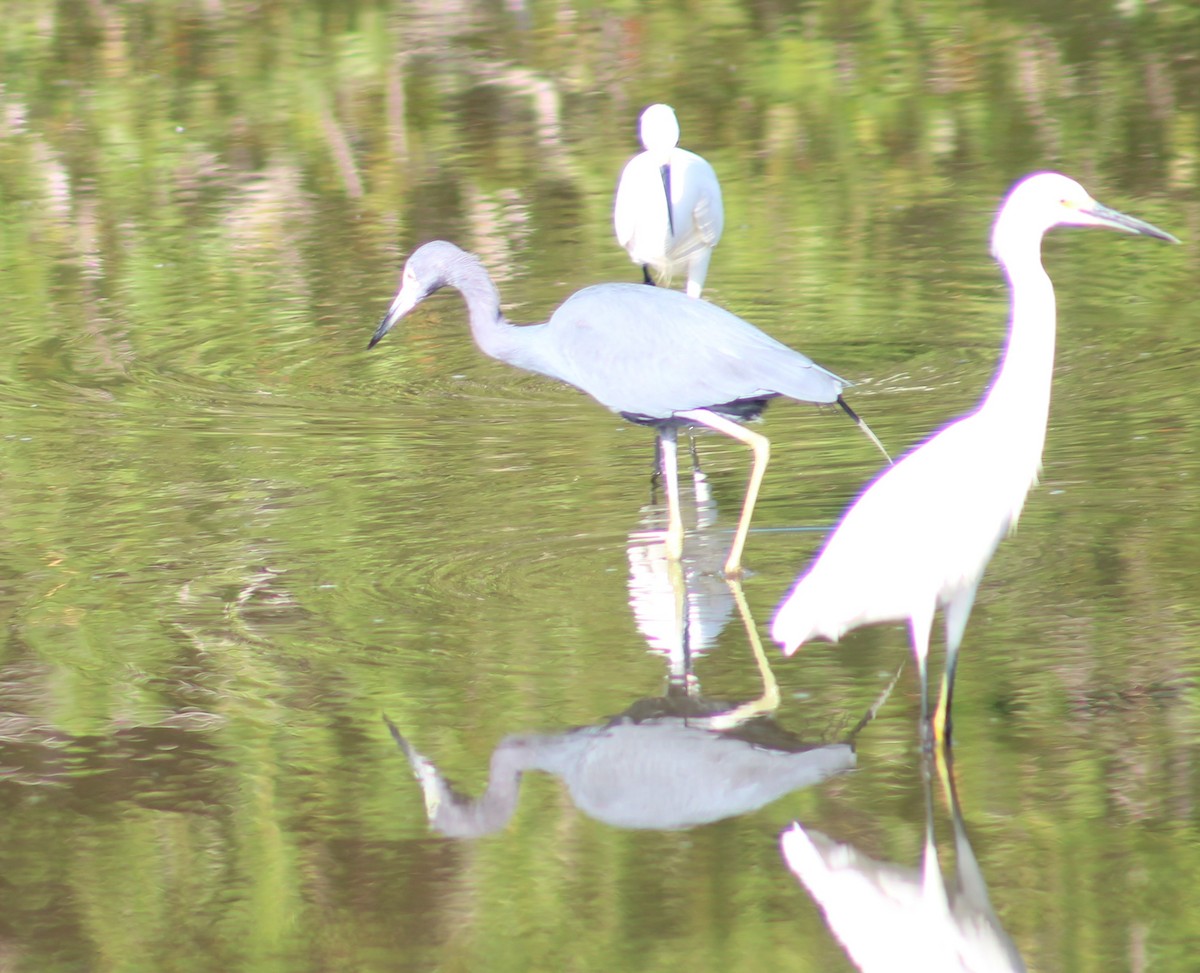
{"x":646,"y":278}
{"x":668,"y":452}
{"x":761,"y":447}
{"x":919,"y":625}
{"x":957,"y":613}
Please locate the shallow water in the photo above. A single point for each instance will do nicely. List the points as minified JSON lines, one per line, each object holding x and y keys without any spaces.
{"x":236,"y":539}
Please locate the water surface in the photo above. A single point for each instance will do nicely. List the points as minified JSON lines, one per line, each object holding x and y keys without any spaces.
{"x":236,"y":539}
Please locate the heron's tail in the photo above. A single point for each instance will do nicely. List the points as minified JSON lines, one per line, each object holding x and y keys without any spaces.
{"x":864,"y":427}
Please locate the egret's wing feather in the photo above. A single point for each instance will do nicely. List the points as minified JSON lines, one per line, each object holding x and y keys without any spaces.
{"x":640,"y":211}
{"x":913,"y":537}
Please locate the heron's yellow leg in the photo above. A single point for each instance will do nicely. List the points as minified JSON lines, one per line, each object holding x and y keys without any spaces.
{"x":761,"y":447}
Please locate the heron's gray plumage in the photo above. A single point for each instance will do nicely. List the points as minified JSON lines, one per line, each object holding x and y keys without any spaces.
{"x":653,"y":352}
{"x":651,"y":355}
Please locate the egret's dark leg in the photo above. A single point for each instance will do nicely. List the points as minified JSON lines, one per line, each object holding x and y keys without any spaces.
{"x":646,"y":278}
{"x":762,"y":455}
{"x":919,"y":626}
{"x":957,"y":613}
{"x":670,"y":473}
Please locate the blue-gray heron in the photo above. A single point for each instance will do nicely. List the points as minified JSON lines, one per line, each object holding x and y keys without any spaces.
{"x":654,"y":356}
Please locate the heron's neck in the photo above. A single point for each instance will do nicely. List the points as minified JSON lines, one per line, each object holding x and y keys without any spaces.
{"x":1020,"y":393}
{"x":493,"y":333}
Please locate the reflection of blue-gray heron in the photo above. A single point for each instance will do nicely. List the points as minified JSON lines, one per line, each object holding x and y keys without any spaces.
{"x":668,"y":212}
{"x":671,"y":761}
{"x":654,"y":356}
{"x":662,"y":773}
{"x":919,"y":537}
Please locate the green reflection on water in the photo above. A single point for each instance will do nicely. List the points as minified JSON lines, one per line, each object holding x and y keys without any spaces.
{"x":234,"y":538}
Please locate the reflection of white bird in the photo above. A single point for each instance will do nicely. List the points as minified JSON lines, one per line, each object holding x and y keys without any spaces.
{"x":919,"y":537}
{"x":668,"y":212}
{"x":892,"y":918}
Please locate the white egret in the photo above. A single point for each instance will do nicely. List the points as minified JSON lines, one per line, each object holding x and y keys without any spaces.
{"x":919,"y":537}
{"x":653,"y":356}
{"x":668,"y":212}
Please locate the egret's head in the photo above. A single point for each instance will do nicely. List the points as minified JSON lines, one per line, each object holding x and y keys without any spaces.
{"x":659,"y":129}
{"x":430,"y":268}
{"x":1049,"y":199}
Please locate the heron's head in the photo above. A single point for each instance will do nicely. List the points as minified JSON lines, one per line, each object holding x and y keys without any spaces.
{"x":1048,"y":199}
{"x":659,"y":129}
{"x":430,"y":268}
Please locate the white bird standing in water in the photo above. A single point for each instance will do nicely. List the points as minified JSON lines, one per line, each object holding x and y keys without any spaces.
{"x":668,"y":212}
{"x":920,"y":536}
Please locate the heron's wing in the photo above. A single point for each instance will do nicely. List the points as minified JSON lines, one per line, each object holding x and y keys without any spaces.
{"x":649,"y":351}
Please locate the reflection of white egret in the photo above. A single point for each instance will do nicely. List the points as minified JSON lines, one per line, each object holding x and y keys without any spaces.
{"x":891,"y":917}
{"x":668,"y":212}
{"x":919,"y":537}
{"x":653,"y":356}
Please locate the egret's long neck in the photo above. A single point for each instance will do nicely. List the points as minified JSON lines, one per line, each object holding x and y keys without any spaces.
{"x":1020,"y":394}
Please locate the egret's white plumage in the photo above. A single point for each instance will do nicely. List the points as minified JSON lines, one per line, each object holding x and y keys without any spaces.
{"x":668,"y":212}
{"x":920,"y":536}
{"x":890,"y":917}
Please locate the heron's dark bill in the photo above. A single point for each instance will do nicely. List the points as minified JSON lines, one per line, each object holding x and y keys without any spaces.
{"x":1127,"y":224}
{"x":384,"y":327}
